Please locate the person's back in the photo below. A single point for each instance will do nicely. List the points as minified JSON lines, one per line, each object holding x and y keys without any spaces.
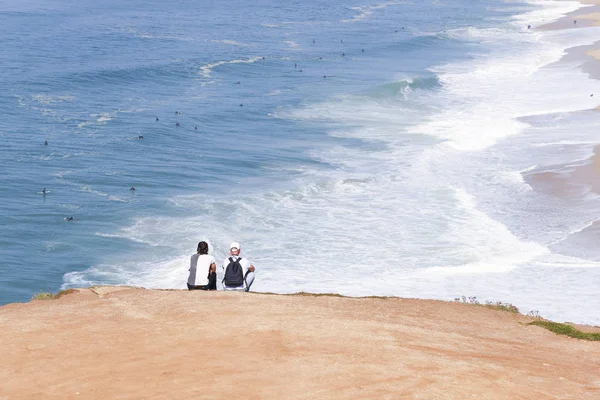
{"x":202,"y":270}
{"x":238,"y":272}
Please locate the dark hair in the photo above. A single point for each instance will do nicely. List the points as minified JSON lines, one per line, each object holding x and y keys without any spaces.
{"x":202,"y":248}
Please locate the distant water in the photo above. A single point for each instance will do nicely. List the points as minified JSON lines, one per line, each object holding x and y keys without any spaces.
{"x":362,"y":148}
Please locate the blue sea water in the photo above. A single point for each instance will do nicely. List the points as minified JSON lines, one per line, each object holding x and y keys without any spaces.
{"x":363,"y":148}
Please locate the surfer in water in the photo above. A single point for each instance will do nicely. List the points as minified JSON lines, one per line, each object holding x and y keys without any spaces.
{"x":46,"y":143}
{"x":44,"y":191}
{"x":132,"y":189}
{"x":69,"y":219}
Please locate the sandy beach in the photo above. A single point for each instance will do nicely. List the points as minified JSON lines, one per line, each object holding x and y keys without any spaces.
{"x":580,"y":178}
{"x":128,"y":343}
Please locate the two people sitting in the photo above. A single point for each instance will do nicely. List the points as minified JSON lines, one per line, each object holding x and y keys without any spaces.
{"x":237,"y":272}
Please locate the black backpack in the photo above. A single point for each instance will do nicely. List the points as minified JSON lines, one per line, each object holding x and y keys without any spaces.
{"x":234,"y":273}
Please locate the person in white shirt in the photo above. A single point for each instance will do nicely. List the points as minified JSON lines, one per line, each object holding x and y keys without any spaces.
{"x":234,"y":278}
{"x":203,"y":270}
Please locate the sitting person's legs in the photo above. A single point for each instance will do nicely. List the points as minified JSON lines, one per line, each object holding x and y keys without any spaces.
{"x":195,"y":287}
{"x":249,"y":279}
{"x":212,"y":283}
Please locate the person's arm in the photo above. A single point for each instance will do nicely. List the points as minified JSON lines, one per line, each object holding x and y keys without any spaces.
{"x":212,"y":277}
{"x":248,"y":265}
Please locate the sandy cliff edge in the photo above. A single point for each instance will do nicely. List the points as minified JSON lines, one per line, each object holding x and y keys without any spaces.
{"x":124,"y":343}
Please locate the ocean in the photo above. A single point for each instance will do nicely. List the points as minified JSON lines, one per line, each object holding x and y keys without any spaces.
{"x":432,"y":149}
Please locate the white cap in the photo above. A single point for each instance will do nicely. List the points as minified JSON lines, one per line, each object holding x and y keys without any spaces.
{"x":234,"y":245}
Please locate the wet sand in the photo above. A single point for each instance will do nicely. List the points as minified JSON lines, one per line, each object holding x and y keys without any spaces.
{"x":568,"y":181}
{"x":128,"y":343}
{"x":574,"y":180}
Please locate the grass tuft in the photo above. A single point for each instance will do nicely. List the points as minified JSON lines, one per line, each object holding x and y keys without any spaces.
{"x":65,"y":292}
{"x":44,"y":296}
{"x":500,"y":306}
{"x":52,"y":296}
{"x":567,"y":330}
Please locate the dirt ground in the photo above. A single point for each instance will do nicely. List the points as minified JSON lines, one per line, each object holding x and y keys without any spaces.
{"x":128,"y":343}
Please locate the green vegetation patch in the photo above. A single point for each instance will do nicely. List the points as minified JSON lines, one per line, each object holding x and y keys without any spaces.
{"x":52,"y":296}
{"x":502,"y":307}
{"x":44,"y":296}
{"x":567,"y":330}
{"x":65,"y":292}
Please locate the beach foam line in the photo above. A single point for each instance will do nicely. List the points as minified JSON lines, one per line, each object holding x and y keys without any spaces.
{"x":487,"y":96}
{"x":564,"y":143}
{"x":546,"y":12}
{"x":574,"y":232}
{"x":206,"y":70}
{"x":152,"y":275}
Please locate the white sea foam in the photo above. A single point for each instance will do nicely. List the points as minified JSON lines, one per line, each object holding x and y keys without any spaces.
{"x":291,"y":44}
{"x":491,"y":93}
{"x":231,"y":42}
{"x":364,"y":12}
{"x":99,"y":119}
{"x":52,"y":99}
{"x":575,"y":231}
{"x":126,"y":234}
{"x":483,"y":236}
{"x":145,"y":35}
{"x":207,"y":70}
{"x":51,"y":246}
{"x":565,"y":143}
{"x":546,"y":11}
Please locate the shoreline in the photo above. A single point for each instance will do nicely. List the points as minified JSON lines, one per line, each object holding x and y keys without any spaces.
{"x":123,"y":342}
{"x":575,"y":179}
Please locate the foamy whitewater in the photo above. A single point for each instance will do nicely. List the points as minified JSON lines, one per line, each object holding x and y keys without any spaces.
{"x":369,"y":148}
